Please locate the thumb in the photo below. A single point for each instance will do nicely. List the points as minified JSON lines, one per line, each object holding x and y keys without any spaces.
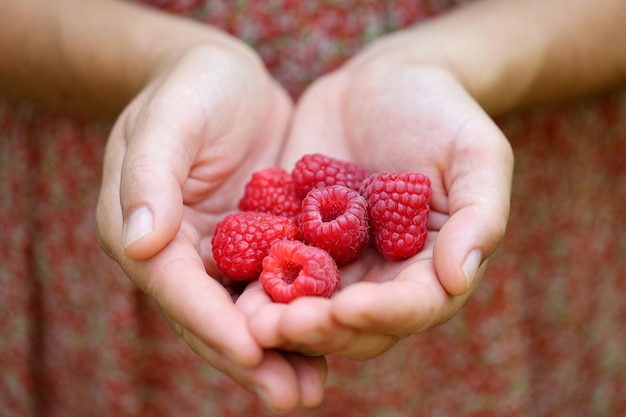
{"x":155,"y":166}
{"x":479,"y":201}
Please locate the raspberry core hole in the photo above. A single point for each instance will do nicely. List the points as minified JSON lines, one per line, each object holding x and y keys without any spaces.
{"x":291,"y":270}
{"x":331,"y":213}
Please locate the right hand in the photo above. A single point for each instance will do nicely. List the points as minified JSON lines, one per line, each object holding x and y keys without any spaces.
{"x":176,"y":162}
{"x":388,"y":113}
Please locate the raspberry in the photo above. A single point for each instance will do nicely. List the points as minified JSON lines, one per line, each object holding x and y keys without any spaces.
{"x":271,"y":191}
{"x":292,"y":269}
{"x":398,"y":204}
{"x":242,"y":239}
{"x":335,"y":219}
{"x":316,"y":170}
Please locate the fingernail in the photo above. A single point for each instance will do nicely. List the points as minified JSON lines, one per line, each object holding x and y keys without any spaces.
{"x":471,"y":265}
{"x":139,"y":224}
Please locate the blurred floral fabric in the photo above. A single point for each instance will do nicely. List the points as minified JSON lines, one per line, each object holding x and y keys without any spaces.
{"x":544,"y":335}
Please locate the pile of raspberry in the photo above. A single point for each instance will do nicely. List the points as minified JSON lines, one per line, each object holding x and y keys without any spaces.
{"x":293,"y":229}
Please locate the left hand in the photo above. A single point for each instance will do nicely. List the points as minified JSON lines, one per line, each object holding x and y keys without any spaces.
{"x":393,"y":115}
{"x":175,"y":164}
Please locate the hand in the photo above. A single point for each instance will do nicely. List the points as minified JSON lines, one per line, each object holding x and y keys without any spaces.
{"x":389,"y":114}
{"x":176,"y":162}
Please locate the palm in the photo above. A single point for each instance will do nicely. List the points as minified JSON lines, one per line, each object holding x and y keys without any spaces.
{"x":215,"y":183}
{"x":393,"y":119}
{"x":386,"y":126}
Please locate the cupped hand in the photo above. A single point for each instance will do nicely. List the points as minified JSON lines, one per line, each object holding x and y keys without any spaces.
{"x":390,"y":114}
{"x":176,"y":162}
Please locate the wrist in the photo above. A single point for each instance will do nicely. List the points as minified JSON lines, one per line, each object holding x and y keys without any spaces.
{"x":95,"y":63}
{"x":155,"y":41}
{"x":511,"y":54}
{"x":462,"y":44}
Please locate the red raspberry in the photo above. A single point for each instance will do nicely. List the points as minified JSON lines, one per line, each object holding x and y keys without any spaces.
{"x":335,"y":219}
{"x":271,"y":191}
{"x":242,"y":239}
{"x":316,"y":170}
{"x":398,"y":204}
{"x":292,"y":269}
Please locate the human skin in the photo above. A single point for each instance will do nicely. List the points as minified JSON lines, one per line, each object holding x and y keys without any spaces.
{"x":438,"y":130}
{"x":422,"y":100}
{"x":485,"y":60}
{"x":186,"y":139}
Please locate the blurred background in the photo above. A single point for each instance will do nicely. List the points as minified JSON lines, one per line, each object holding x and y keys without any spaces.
{"x":543,"y":336}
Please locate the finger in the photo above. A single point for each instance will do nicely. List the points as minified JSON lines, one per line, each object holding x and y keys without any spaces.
{"x":276,"y":380}
{"x":108,"y":212}
{"x":203,"y":314}
{"x":303,"y":326}
{"x":311,"y":373}
{"x":408,"y":304}
{"x":176,"y":279}
{"x":252,"y":298}
{"x":285,"y":381}
{"x":265,"y":326}
{"x":479,"y":187}
{"x":158,"y":154}
{"x":307,"y":326}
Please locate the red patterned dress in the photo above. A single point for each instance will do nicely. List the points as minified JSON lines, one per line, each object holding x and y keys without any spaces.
{"x":544,"y":335}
